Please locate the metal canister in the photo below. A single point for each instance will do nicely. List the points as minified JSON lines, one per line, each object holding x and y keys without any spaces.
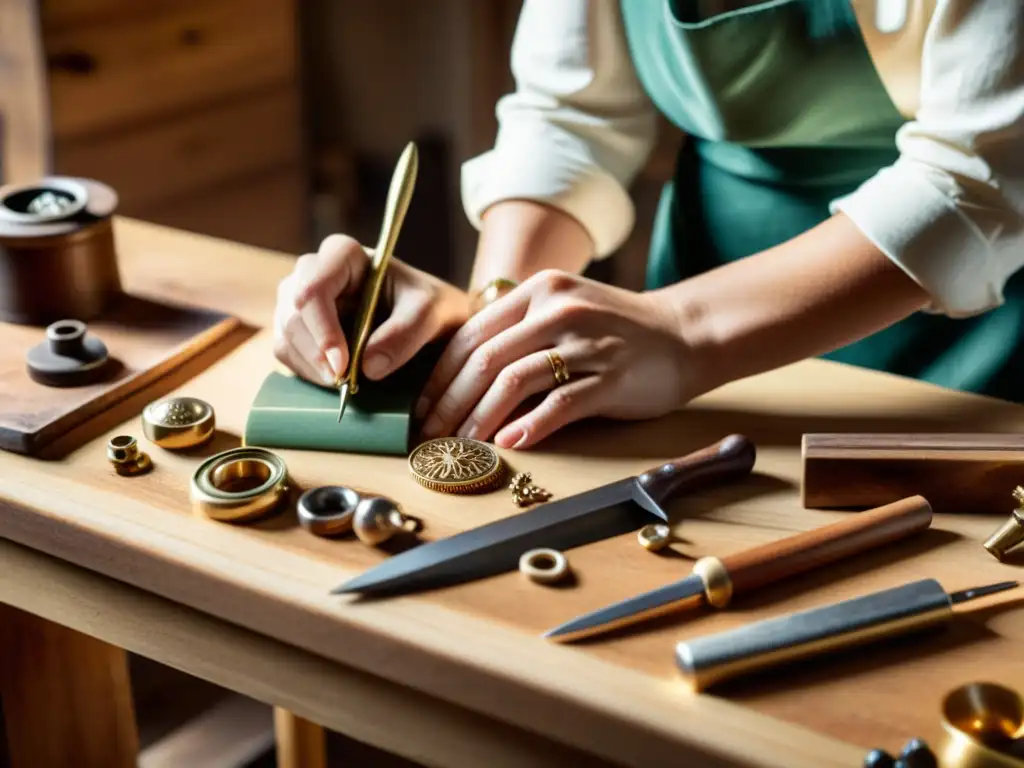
{"x":57,"y":254}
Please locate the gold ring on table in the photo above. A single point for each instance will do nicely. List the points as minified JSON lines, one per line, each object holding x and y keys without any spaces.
{"x":558,"y":367}
{"x":239,"y":485}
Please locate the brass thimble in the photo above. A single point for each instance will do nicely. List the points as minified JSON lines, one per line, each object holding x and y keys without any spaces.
{"x":1010,"y":533}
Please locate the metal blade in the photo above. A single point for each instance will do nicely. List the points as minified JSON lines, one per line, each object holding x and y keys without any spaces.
{"x":972,"y":594}
{"x":657,"y":602}
{"x":496,"y":547}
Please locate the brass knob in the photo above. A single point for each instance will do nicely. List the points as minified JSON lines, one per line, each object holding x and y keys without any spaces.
{"x":1010,"y":533}
{"x":124,"y":454}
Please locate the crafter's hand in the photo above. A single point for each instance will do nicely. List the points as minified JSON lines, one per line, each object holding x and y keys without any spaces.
{"x":623,"y":352}
{"x":307,"y":331}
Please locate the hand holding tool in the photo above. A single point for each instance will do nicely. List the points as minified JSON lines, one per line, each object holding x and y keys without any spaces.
{"x":714,"y":581}
{"x":403,"y":182}
{"x":707,"y":660}
{"x":610,"y":510}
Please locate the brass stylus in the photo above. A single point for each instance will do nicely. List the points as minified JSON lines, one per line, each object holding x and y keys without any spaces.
{"x":403,"y":181}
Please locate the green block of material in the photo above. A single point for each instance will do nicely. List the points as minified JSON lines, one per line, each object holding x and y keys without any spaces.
{"x":290,"y":412}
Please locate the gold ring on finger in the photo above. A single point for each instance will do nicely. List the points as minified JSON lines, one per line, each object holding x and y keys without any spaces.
{"x":558,"y":367}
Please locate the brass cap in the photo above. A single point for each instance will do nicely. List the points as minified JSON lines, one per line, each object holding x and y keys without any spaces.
{"x":1008,"y":536}
{"x":179,"y":422}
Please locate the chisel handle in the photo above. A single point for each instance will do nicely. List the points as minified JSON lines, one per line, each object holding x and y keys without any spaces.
{"x":859,"y":532}
{"x":731,"y":458}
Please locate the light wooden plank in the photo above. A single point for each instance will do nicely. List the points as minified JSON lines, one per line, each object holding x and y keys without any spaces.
{"x":67,"y":697}
{"x":387,"y":716}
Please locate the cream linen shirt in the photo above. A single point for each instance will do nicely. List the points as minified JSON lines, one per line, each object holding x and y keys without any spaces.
{"x":579,"y":127}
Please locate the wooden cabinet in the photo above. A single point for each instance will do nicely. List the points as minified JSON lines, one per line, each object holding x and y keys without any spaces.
{"x":190,"y":109}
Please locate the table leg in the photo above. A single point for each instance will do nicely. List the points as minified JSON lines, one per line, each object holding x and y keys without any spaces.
{"x":67,"y":697}
{"x":300,"y":743}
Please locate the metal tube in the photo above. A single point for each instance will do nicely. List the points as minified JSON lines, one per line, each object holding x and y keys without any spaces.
{"x":708,"y":660}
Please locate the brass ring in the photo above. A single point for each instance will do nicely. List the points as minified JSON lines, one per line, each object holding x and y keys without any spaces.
{"x":178,"y":422}
{"x":558,"y":367}
{"x":976,"y":718}
{"x":239,"y":484}
{"x":654,"y":537}
{"x":544,"y":566}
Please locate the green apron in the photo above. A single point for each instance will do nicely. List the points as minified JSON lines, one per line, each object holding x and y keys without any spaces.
{"x":784,"y":112}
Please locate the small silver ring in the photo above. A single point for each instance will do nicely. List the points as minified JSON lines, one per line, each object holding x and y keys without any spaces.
{"x":328,"y":510}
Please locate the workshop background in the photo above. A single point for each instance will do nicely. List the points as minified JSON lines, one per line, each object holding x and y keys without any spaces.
{"x":274,"y":123}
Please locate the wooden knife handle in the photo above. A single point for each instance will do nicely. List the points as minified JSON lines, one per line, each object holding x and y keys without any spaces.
{"x":859,"y":532}
{"x":729,"y":459}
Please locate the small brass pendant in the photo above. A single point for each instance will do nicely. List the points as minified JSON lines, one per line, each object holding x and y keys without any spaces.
{"x":524,"y":492}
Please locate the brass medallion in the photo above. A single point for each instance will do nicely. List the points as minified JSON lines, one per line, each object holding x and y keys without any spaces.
{"x":456,"y":465}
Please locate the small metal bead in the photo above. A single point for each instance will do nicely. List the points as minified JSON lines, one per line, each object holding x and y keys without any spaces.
{"x":917,"y":754}
{"x":878,"y":758}
{"x":377,"y":519}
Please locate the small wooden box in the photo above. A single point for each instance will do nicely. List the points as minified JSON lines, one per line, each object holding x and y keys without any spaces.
{"x":957,"y":473}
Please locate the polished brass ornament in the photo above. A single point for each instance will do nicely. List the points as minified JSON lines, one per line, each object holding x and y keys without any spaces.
{"x":124,"y":455}
{"x":239,"y":485}
{"x":179,"y":422}
{"x":456,"y":465}
{"x":654,"y":537}
{"x":524,"y":492}
{"x":1010,"y":533}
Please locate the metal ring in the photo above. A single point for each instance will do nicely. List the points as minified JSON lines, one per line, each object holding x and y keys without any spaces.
{"x":239,"y":484}
{"x":15,"y":205}
{"x":558,"y":367}
{"x":328,"y":510}
{"x":179,"y":422}
{"x":654,"y":537}
{"x":544,"y":566}
{"x":971,"y":716}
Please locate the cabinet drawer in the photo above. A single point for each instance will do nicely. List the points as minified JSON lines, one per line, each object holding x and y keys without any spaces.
{"x":165,"y":161}
{"x":267,"y":211}
{"x":164,"y":58}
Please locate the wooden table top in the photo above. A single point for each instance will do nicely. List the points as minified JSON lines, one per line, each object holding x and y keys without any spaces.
{"x":477,"y":645}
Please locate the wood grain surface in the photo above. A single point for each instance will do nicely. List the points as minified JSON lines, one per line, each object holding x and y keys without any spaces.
{"x":477,"y":645}
{"x":146,"y":339}
{"x":67,"y":696}
{"x":958,"y":473}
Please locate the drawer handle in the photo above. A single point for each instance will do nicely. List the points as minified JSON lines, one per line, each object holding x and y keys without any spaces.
{"x":73,"y":62}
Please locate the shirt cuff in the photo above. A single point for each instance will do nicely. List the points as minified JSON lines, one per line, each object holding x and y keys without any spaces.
{"x":539,"y":170}
{"x":922,"y":230}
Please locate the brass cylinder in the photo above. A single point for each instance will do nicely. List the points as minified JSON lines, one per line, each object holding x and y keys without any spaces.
{"x":57,"y":254}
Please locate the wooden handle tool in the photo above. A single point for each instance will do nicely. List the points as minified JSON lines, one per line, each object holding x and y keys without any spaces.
{"x":715,"y":580}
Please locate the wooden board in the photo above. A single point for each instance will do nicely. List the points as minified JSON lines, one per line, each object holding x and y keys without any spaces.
{"x":146,"y":338}
{"x":477,"y":645}
{"x":958,"y":473}
{"x":193,"y":154}
{"x":153,"y":60}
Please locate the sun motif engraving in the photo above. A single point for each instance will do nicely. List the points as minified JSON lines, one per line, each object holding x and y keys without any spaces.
{"x":454,"y":460}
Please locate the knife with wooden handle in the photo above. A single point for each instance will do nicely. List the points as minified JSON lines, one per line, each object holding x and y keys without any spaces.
{"x":610,"y":510}
{"x":714,"y":581}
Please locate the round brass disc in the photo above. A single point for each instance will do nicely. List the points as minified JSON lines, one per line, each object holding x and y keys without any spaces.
{"x":456,"y":465}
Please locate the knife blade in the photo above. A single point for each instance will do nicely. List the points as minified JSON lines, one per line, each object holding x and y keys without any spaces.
{"x":610,"y":510}
{"x":715,"y":581}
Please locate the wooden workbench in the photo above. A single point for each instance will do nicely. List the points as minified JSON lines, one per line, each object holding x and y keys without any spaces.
{"x":460,"y":677}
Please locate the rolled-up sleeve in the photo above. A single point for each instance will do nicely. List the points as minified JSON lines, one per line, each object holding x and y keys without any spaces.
{"x":950,"y":210}
{"x":578,"y":126}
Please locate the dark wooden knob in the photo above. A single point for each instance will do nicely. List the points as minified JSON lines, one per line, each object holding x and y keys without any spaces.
{"x":729,"y":459}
